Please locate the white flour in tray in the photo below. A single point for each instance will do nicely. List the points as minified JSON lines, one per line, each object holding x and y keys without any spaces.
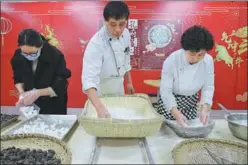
{"x":125,"y":114}
{"x":194,"y":123}
{"x":191,"y":123}
{"x":39,"y":126}
{"x":29,"y":111}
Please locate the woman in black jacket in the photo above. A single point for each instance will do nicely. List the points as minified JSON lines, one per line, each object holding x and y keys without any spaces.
{"x":40,"y":74}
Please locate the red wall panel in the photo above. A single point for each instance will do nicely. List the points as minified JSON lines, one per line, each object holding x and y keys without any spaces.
{"x":73,"y":21}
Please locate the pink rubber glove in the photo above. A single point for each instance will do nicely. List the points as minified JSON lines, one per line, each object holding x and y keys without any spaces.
{"x":29,"y":97}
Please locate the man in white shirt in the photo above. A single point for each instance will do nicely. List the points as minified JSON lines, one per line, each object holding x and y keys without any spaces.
{"x":106,"y":59}
{"x":185,"y":72}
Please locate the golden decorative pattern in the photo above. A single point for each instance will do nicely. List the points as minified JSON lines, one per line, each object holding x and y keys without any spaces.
{"x":13,"y":92}
{"x":83,"y":43}
{"x":237,"y":46}
{"x":223,"y":55}
{"x":242,"y":97}
{"x":50,"y":35}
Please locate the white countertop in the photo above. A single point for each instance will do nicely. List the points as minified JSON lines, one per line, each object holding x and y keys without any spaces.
{"x":125,"y":151}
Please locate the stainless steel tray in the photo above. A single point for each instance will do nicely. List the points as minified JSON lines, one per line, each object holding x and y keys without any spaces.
{"x":192,"y":131}
{"x":60,"y":121}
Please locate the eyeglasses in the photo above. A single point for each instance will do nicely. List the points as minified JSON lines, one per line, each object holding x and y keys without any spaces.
{"x":29,"y":54}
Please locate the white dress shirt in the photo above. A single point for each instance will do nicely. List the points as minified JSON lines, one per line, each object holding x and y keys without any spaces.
{"x":105,"y":62}
{"x":180,"y":77}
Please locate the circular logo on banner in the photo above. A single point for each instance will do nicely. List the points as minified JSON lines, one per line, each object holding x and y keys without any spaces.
{"x":160,"y":35}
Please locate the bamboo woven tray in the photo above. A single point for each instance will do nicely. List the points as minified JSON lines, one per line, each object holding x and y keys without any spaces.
{"x":38,"y":141}
{"x":142,"y":95}
{"x":102,"y":127}
{"x":194,"y":151}
{"x":9,"y":122}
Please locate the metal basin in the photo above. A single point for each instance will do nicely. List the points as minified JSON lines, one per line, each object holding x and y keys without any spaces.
{"x":238,"y":130}
{"x":191,"y":132}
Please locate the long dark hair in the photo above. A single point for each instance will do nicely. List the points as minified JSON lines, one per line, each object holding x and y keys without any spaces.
{"x":44,"y":38}
{"x":31,"y":37}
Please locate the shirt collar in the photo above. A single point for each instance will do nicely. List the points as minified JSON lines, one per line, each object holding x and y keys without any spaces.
{"x":185,"y":62}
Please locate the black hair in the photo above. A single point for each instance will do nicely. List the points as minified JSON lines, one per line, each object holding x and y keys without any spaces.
{"x":30,"y":37}
{"x":196,"y":38}
{"x":116,"y":10}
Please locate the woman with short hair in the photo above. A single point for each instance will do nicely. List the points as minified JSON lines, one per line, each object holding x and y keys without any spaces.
{"x":185,"y":72}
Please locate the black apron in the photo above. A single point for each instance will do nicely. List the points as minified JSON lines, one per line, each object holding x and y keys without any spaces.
{"x":187,"y":105}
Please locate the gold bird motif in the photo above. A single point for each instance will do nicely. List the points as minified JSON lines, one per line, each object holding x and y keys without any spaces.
{"x":241,"y":32}
{"x":223,"y":55}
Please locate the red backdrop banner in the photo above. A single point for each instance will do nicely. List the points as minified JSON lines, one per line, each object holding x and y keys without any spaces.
{"x":69,"y":26}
